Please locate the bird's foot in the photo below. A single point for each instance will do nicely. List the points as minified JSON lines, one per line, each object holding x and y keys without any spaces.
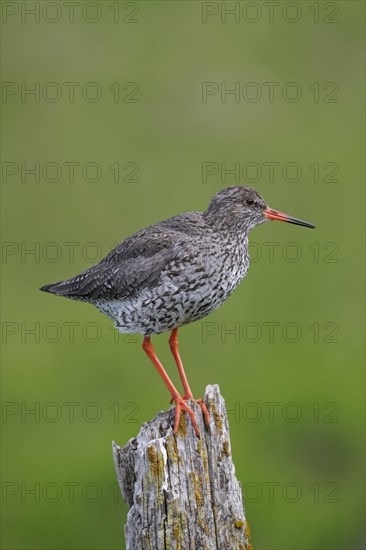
{"x":180,"y":404}
{"x":205,"y":412}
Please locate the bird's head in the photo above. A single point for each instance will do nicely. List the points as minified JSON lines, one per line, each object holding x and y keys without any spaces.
{"x":244,"y":207}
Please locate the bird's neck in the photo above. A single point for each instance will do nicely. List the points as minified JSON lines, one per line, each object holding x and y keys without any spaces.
{"x":234,"y":228}
{"x":230,"y":236}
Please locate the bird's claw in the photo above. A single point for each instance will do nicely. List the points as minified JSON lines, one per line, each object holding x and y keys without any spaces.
{"x":181,"y":405}
{"x":205,"y":412}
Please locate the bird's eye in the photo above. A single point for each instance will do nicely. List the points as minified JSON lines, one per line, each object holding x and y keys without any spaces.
{"x":250,"y":202}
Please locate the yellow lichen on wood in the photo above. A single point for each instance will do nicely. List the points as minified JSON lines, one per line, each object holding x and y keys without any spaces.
{"x":203,"y":453}
{"x":225,"y":448}
{"x":177,"y":535}
{"x":148,"y":541}
{"x":153,"y":459}
{"x":205,"y":465}
{"x":182,"y":428}
{"x":156,"y":464}
{"x":172,"y":449}
{"x":197,"y":490}
{"x":216,"y":415}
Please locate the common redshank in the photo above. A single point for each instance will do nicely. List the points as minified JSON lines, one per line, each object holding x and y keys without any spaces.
{"x":173,"y":273}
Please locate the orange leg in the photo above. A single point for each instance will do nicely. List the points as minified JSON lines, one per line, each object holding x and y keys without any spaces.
{"x":173,"y":342}
{"x":180,"y":404}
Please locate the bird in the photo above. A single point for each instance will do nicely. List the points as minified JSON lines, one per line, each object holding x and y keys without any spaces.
{"x":175,"y":272}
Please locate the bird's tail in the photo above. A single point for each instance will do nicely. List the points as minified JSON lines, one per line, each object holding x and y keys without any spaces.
{"x":70,"y":288}
{"x":80,"y":287}
{"x":62,"y":288}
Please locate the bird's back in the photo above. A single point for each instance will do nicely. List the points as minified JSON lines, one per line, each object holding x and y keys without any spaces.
{"x":136,"y":262}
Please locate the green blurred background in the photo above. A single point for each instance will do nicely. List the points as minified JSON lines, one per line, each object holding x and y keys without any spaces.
{"x":296,"y":399}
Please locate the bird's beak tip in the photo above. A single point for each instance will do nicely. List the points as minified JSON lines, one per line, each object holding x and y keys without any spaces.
{"x":271,"y":214}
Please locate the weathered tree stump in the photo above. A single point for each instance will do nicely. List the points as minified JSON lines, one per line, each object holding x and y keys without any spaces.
{"x":182,"y":490}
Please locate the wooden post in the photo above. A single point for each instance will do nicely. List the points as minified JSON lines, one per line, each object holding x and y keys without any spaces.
{"x":182,"y":490}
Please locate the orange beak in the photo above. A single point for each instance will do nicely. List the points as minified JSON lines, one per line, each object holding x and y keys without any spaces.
{"x":275,"y":215}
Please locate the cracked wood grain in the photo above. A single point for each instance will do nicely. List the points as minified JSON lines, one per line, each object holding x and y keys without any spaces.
{"x":182,"y":490}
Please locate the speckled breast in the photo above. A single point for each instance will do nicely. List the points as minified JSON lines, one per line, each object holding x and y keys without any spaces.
{"x":187,"y":291}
